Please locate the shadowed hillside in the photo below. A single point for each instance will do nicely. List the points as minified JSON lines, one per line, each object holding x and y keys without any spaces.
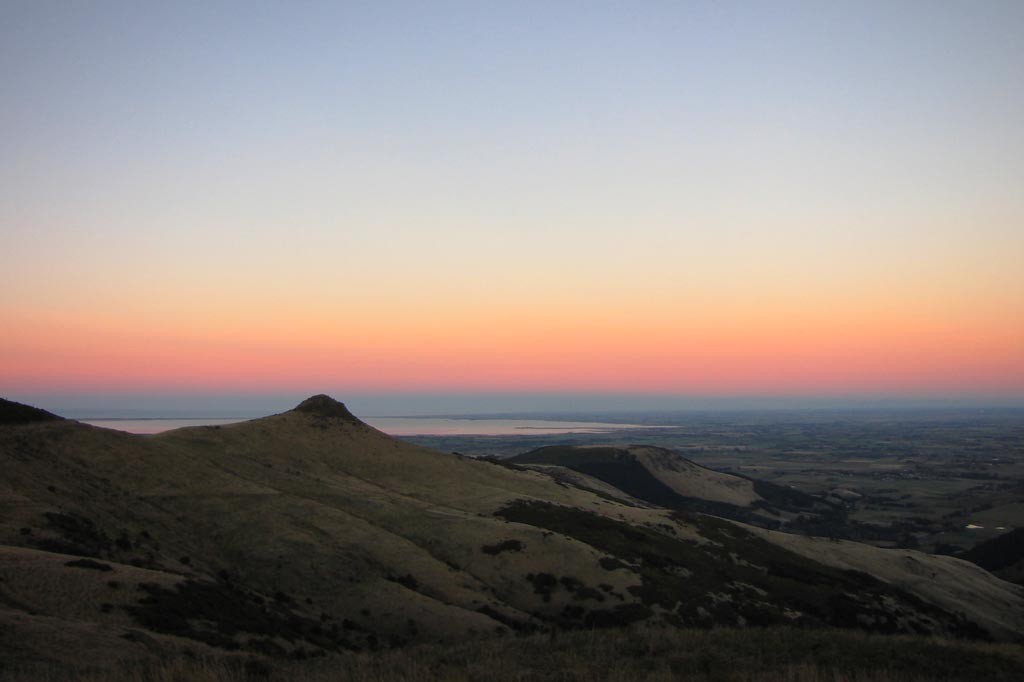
{"x":308,"y":533}
{"x":665,"y":479}
{"x":1002,"y":555}
{"x":17,"y":413}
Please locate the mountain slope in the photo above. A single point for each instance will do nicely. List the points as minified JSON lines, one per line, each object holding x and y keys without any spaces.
{"x":665,"y":479}
{"x":1003,"y":555}
{"x":18,"y":413}
{"x":314,"y":531}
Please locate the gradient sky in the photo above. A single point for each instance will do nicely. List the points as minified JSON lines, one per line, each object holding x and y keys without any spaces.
{"x":701,"y":199}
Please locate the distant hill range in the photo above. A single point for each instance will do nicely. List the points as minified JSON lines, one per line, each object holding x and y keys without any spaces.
{"x":310,"y":531}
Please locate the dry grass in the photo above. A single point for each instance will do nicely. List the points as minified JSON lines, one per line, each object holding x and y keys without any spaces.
{"x":637,"y":655}
{"x":328,"y":514}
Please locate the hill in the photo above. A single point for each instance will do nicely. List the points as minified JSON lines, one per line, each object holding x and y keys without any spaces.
{"x":309,"y":532}
{"x":665,"y":479}
{"x":1003,"y":555}
{"x":18,"y":413}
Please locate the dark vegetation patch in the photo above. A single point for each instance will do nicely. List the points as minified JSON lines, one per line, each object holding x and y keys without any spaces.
{"x":90,"y":564}
{"x":502,"y":462}
{"x":229,"y":618}
{"x":611,"y":563}
{"x":78,"y":535}
{"x":543,"y":584}
{"x":615,"y":466}
{"x":703,"y":584}
{"x":507,"y":621}
{"x":505,"y":546}
{"x":407,"y":581}
{"x":579,"y":589}
{"x":12,"y":413}
{"x":835,"y":523}
{"x":783,"y":496}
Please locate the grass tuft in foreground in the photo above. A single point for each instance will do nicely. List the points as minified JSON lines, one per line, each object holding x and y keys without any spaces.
{"x":633,"y":655}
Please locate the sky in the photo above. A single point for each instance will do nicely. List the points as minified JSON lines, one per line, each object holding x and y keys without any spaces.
{"x":782,"y":201}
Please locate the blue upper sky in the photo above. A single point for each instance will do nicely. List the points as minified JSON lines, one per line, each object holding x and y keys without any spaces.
{"x":782,"y":198}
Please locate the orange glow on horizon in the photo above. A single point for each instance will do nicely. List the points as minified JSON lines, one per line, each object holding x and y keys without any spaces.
{"x":679,"y":200}
{"x":644,"y":348}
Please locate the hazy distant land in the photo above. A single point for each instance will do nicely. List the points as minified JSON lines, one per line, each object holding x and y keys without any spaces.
{"x":397,"y":426}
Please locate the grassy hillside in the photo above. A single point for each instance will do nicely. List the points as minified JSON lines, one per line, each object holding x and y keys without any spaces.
{"x":309,"y":533}
{"x":633,"y":655}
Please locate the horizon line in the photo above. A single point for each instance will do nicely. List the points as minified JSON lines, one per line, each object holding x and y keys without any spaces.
{"x":231,"y":405}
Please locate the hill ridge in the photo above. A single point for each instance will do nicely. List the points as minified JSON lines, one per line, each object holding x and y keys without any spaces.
{"x":323,"y":405}
{"x":12,"y":412}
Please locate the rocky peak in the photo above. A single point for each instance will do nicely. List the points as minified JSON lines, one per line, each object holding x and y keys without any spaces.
{"x":325,"y":406}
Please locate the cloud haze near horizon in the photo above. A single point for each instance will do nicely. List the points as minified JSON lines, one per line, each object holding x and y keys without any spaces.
{"x":786,"y":199}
